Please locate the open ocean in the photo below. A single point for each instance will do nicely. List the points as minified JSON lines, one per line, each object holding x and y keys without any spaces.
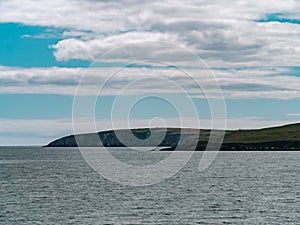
{"x":56,"y":186}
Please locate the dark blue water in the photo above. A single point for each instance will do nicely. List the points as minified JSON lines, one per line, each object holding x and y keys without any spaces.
{"x":56,"y":186}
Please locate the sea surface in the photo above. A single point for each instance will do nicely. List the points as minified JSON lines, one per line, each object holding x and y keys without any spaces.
{"x":56,"y":186}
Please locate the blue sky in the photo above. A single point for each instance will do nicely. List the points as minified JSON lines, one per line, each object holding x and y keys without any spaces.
{"x":22,"y":47}
{"x":253,"y":49}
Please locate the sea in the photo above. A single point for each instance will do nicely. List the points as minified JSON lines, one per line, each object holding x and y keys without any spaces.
{"x":57,"y":186}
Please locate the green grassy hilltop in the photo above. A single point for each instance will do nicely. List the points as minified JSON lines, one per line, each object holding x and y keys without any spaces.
{"x":283,"y":133}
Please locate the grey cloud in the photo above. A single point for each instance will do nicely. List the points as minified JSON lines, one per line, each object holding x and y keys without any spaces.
{"x":250,"y":87}
{"x":187,"y":25}
{"x":37,"y":80}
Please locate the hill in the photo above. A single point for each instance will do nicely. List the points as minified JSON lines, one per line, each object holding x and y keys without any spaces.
{"x":275,"y":138}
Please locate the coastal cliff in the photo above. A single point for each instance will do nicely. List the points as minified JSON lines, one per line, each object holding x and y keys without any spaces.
{"x":276,"y":138}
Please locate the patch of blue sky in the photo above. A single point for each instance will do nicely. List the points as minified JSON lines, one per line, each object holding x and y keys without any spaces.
{"x":28,"y":46}
{"x":48,"y":106}
{"x":146,"y":108}
{"x":231,"y":68}
{"x":35,"y":106}
{"x":265,"y":109}
{"x":278,"y":17}
{"x":159,"y":107}
{"x":295,"y":71}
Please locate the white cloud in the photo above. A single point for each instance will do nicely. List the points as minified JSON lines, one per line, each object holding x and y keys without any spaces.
{"x":223,"y":34}
{"x":247,"y":83}
{"x":73,"y":48}
{"x":239,"y":43}
{"x":294,"y":114}
{"x":39,"y":80}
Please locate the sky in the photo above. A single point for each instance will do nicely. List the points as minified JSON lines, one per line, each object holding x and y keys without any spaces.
{"x":245,"y":54}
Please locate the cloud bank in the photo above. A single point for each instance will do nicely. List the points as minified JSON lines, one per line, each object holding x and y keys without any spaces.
{"x":235,"y":34}
{"x":250,"y":45}
{"x":234,"y":83}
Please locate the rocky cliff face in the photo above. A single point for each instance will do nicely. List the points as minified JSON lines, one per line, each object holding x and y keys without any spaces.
{"x":110,"y":139}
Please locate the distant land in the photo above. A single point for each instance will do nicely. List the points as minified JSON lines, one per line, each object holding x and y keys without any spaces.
{"x":285,"y":137}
